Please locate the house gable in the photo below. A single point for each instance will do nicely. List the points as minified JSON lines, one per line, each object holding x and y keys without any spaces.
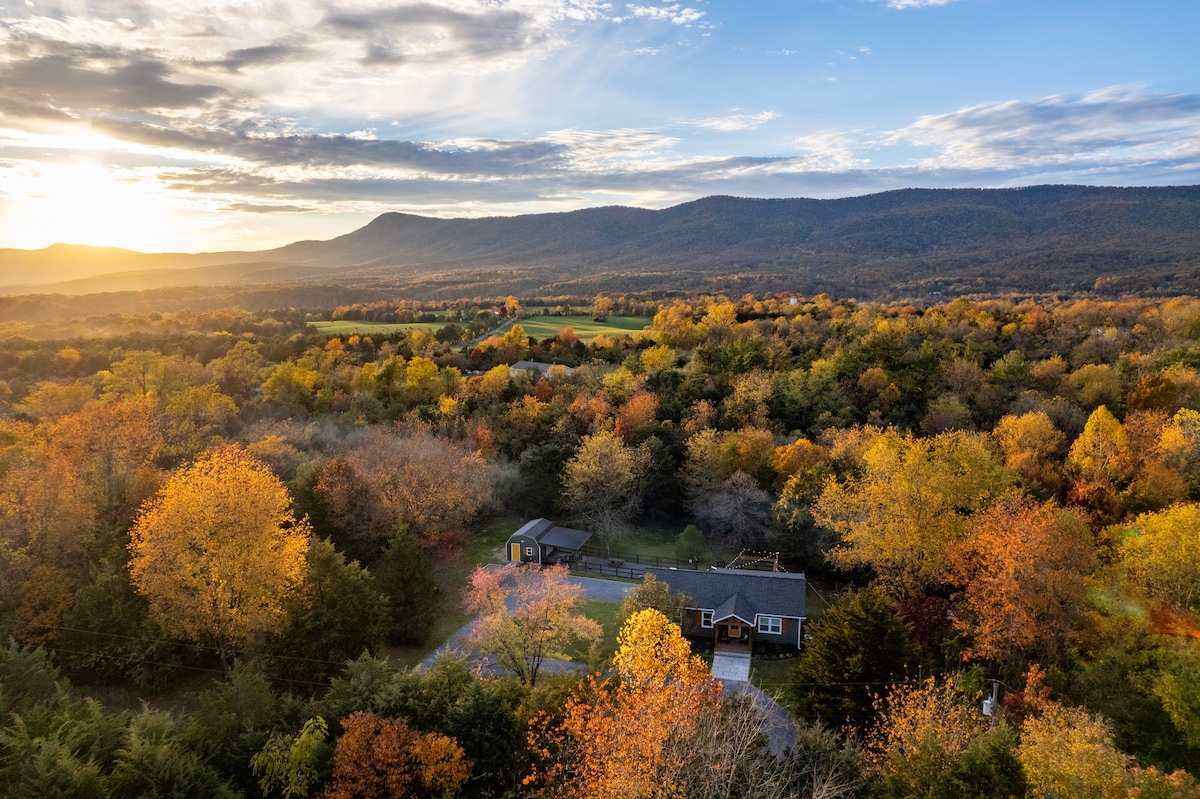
{"x":736,"y":607}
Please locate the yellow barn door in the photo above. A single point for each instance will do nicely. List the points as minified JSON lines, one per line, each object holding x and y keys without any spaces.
{"x":514,"y":552}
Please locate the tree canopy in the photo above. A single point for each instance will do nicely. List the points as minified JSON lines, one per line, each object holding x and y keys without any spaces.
{"x":218,"y":549}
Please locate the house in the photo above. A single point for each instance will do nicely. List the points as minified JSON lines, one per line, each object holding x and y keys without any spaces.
{"x":541,"y":541}
{"x":736,"y":608}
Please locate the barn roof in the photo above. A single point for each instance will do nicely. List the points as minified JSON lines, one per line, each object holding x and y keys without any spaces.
{"x":549,"y":534}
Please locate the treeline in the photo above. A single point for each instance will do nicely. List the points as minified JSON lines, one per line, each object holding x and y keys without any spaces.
{"x":997,"y":489}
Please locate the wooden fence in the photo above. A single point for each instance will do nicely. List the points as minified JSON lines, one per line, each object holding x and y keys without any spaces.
{"x":607,"y":569}
{"x":599,"y":552}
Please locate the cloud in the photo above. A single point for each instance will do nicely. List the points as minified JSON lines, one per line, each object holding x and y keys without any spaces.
{"x":1114,"y":125}
{"x":905,"y":4}
{"x":831,"y":152}
{"x":267,"y":55}
{"x":50,"y":79}
{"x":674,"y":13}
{"x":736,"y":122}
{"x":429,"y":32}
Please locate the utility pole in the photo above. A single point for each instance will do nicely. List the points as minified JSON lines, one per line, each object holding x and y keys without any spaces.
{"x":989,"y":702}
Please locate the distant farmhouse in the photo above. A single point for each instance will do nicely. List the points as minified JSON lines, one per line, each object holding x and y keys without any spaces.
{"x":542,"y":541}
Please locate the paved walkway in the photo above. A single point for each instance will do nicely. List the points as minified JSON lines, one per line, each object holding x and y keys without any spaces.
{"x":732,"y":666}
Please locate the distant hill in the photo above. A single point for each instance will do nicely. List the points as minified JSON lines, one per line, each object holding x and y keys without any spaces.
{"x":907,"y":243}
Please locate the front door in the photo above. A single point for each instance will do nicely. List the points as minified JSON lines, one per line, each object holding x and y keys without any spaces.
{"x":514,"y":553}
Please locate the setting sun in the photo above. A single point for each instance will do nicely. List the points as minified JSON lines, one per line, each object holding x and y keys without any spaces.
{"x":85,"y":203}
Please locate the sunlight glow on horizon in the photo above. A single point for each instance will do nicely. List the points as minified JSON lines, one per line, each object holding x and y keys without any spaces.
{"x":85,"y":203}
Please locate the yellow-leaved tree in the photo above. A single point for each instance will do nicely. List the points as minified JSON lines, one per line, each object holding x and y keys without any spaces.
{"x":631,"y":738}
{"x":913,"y":500}
{"x":218,"y":549}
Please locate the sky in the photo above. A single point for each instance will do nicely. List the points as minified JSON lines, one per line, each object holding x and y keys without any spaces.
{"x":183,"y":125}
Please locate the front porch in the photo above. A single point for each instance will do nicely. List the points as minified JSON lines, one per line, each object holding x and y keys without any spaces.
{"x":733,"y":637}
{"x":733,"y":647}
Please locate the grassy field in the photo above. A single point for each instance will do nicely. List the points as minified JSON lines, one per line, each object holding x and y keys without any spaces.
{"x":772,"y":675}
{"x":541,"y":327}
{"x":660,"y":541}
{"x":347,"y":327}
{"x":604,"y":613}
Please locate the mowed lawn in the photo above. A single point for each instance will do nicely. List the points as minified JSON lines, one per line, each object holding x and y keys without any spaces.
{"x":540,"y":327}
{"x":348,"y":327}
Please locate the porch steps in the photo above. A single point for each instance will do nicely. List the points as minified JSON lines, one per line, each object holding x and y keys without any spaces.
{"x":733,"y":666}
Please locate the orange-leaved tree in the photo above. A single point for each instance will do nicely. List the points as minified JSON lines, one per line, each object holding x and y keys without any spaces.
{"x":526,"y":616}
{"x":629,"y":738}
{"x":218,"y":549}
{"x":377,"y":758}
{"x":1022,"y":569}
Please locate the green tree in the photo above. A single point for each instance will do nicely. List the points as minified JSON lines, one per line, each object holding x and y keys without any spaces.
{"x":652,"y":594}
{"x":691,"y":545}
{"x":289,"y":763}
{"x":857,"y":648}
{"x":603,"y":483}
{"x":197,"y":418}
{"x":335,"y":616}
{"x":403,"y":576}
{"x":484,"y":724}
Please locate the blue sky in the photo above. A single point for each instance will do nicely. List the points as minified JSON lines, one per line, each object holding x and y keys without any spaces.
{"x":176,"y":125}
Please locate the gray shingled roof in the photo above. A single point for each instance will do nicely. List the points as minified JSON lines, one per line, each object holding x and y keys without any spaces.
{"x":547,"y":533}
{"x":563,"y":537}
{"x":747,"y":591}
{"x":534,"y":527}
{"x":737,"y":607}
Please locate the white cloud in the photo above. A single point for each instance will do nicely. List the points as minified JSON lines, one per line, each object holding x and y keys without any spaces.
{"x":608,"y":150}
{"x":830,"y":152}
{"x":736,"y":122}
{"x":904,"y":4}
{"x":1118,"y":125}
{"x":674,"y":13}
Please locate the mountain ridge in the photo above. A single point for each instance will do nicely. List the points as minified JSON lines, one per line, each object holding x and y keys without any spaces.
{"x":895,"y":243}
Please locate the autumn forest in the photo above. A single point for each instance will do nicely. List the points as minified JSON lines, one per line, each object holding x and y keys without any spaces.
{"x":227,"y":539}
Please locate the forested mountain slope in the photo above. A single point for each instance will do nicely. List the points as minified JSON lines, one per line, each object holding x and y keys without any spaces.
{"x":906,"y":243}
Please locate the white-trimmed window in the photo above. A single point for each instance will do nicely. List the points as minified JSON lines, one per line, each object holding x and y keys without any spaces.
{"x":770,"y":624}
{"x":529,"y":552}
{"x":706,"y":618}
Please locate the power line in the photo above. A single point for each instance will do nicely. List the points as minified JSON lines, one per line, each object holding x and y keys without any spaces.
{"x":145,"y":662}
{"x":187,"y":644}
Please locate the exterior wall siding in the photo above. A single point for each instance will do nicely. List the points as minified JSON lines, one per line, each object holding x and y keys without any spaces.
{"x":526,"y":543}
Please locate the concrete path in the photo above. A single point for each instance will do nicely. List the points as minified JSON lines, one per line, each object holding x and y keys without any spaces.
{"x":732,"y":666}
